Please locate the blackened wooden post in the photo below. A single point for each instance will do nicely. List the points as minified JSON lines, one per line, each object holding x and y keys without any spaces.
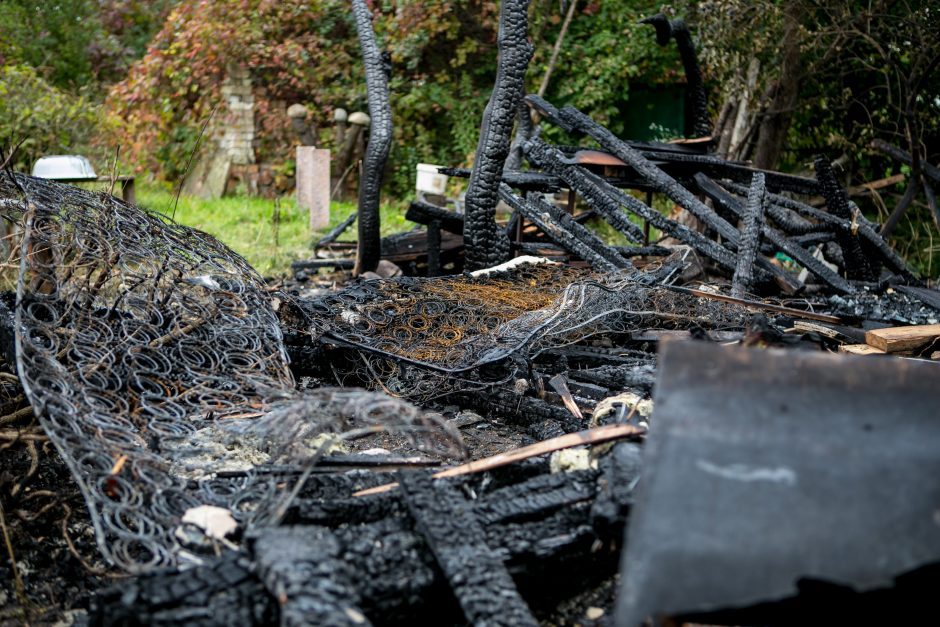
{"x":369,"y":250}
{"x":487,"y":244}
{"x":749,"y":244}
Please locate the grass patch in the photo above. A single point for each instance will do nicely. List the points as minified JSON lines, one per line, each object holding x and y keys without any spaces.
{"x":252,"y":227}
{"x":248,"y":227}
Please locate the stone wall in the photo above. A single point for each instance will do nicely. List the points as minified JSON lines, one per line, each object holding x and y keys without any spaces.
{"x":232,"y":139}
{"x":238,"y":129}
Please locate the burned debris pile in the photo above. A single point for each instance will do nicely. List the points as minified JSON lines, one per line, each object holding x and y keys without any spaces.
{"x":470,"y":447}
{"x":171,"y":379}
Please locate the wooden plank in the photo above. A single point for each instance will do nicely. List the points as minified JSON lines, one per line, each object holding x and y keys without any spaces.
{"x":860,"y":349}
{"x":875,"y":185}
{"x":596,"y":435}
{"x":895,"y":339}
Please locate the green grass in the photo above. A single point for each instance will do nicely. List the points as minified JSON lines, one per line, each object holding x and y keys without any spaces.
{"x":250,"y":227}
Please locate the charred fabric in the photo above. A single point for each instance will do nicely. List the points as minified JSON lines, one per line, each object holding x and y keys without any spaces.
{"x":249,"y":453}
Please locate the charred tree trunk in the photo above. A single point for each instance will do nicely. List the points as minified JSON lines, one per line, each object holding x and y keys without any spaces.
{"x":776,"y":120}
{"x":486,"y":244}
{"x":369,"y":249}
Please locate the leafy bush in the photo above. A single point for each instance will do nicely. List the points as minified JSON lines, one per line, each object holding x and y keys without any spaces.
{"x":47,"y":120}
{"x":77,"y":43}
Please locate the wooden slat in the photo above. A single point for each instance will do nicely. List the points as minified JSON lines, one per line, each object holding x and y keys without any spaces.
{"x":896,"y":339}
{"x":860,"y":349}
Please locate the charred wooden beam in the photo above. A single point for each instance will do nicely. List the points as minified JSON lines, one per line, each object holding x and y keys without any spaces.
{"x":890,"y":257}
{"x":336,"y":231}
{"x":486,"y":244}
{"x":607,"y":201}
{"x":478,"y":577}
{"x":658,"y":179}
{"x":434,"y":248}
{"x":790,"y":222}
{"x":548,"y":158}
{"x":527,"y":411}
{"x":223,"y":591}
{"x":528,"y":181}
{"x":932,"y":203}
{"x":541,"y":516}
{"x":316,"y":264}
{"x":837,"y":201}
{"x":369,"y":251}
{"x":558,"y":233}
{"x":750,"y":238}
{"x":538,"y":496}
{"x":547,"y":251}
{"x":620,"y":475}
{"x":791,"y":248}
{"x":564,"y":533}
{"x":425,"y":213}
{"x":930,"y":171}
{"x":661,"y":181}
{"x":303,"y":569}
{"x":411,"y":246}
{"x":619,"y":377}
{"x":913,"y":186}
{"x":676,"y":156}
{"x":677,"y":28}
{"x":930,"y":297}
{"x":716,"y":167}
{"x":815,"y":237}
{"x":398,"y":578}
{"x":643,"y":251}
{"x":575,"y":224}
{"x":548,"y":111}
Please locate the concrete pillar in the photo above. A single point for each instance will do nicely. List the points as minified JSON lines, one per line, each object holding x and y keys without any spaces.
{"x":313,"y":184}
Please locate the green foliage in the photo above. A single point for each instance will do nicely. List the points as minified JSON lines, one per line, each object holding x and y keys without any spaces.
{"x":605,"y":50}
{"x":53,"y":36}
{"x":74,"y":43}
{"x":862,"y":64}
{"x":47,"y":120}
{"x":443,"y":56}
{"x":866,"y":70}
{"x":54,"y":56}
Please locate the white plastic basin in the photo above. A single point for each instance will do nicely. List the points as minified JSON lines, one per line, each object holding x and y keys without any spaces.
{"x":430,"y":181}
{"x":64,"y":167}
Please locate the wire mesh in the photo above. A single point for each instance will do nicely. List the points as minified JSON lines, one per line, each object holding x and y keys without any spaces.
{"x":154,"y":360}
{"x":423,"y":338}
